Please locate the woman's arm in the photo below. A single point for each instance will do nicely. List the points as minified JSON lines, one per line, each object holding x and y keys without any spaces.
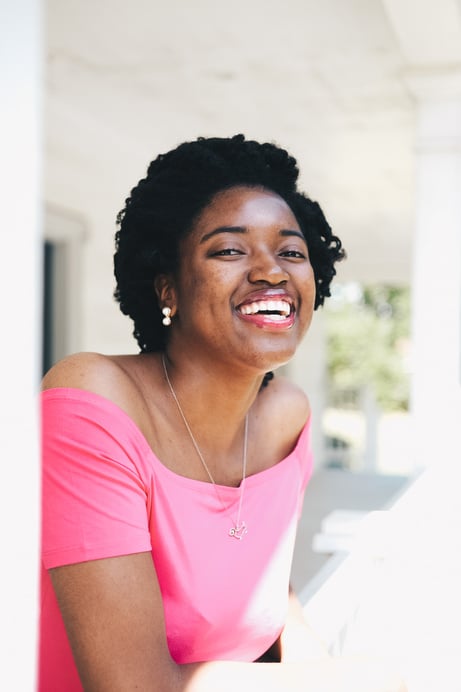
{"x":298,"y":642}
{"x":113,"y":613}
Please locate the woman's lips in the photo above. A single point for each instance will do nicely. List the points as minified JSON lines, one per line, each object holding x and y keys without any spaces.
{"x":280,"y":307}
{"x":268,"y":314}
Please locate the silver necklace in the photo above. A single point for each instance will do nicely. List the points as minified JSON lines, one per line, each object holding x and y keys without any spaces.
{"x":239,"y":529}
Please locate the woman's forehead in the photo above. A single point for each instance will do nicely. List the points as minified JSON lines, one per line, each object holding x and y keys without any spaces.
{"x":245,"y":206}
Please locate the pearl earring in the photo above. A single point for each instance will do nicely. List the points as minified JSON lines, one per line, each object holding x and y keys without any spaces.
{"x":167,"y":316}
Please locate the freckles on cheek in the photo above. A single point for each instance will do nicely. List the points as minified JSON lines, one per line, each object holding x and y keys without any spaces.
{"x":192,"y":287}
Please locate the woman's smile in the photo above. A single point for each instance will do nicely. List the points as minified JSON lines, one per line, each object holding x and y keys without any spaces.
{"x":269,"y":309}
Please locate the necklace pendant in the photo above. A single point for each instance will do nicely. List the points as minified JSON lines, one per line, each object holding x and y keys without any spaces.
{"x":238,"y":531}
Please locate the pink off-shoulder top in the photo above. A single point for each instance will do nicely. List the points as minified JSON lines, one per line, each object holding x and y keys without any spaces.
{"x":106,"y":494}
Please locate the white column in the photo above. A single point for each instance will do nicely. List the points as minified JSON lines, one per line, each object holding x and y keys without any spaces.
{"x":20,"y":83}
{"x":436,"y":392}
{"x":308,"y":371}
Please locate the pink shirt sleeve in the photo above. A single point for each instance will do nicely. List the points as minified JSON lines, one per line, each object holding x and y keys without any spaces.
{"x":94,"y":498}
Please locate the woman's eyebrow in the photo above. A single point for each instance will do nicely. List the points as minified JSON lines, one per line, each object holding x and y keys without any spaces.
{"x":223,"y":229}
{"x":289,"y":232}
{"x":242,"y":229}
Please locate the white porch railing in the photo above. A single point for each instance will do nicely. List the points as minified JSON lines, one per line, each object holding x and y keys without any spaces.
{"x":397,"y":592}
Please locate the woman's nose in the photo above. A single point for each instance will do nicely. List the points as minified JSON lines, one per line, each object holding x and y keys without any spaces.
{"x":268,"y":268}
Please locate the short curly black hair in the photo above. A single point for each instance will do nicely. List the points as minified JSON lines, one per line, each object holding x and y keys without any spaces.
{"x":162,"y":208}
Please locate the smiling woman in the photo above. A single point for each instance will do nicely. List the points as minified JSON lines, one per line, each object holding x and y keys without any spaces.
{"x":173,"y":480}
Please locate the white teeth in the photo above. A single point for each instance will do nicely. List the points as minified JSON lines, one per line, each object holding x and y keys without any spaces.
{"x":277,"y":306}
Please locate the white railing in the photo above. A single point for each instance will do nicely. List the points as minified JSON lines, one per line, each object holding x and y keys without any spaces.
{"x":397,"y":592}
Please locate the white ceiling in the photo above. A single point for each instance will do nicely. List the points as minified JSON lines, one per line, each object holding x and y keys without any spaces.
{"x":325,"y":79}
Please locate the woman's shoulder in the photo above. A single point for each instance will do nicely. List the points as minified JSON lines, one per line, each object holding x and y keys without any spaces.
{"x":96,"y":373}
{"x":282,"y":414}
{"x":283,"y":395}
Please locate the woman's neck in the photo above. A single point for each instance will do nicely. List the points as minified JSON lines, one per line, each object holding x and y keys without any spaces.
{"x":214,"y":399}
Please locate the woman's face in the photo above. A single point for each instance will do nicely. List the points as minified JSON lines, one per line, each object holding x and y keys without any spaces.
{"x":245,"y":289}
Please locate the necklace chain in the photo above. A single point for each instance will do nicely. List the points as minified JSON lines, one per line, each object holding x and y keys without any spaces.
{"x":239,"y":529}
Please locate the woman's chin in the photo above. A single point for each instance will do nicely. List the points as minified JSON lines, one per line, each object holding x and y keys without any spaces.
{"x":266,"y":362}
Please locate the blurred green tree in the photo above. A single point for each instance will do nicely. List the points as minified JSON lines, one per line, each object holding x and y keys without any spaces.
{"x":368,"y":341}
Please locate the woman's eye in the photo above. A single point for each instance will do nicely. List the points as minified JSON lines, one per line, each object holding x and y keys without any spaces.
{"x":293,"y":253}
{"x":226,"y":252}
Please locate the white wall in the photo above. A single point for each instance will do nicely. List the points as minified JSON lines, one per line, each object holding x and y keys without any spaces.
{"x":20,"y":57}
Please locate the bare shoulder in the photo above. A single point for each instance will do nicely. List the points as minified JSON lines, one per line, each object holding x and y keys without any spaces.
{"x":281,"y":394}
{"x":282,"y":412}
{"x":92,"y":372}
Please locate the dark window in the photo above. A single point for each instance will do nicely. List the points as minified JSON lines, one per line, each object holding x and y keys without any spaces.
{"x":49,"y":260}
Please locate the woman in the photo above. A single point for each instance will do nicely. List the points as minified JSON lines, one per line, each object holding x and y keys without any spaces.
{"x":173,"y":479}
